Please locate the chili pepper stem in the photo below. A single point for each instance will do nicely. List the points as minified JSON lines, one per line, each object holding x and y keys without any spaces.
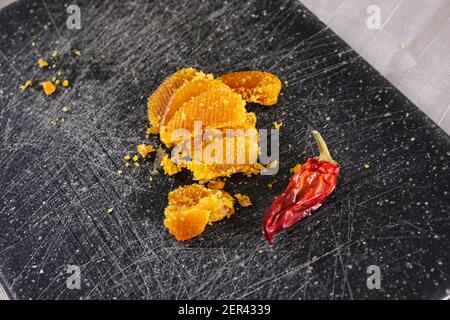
{"x":323,"y":149}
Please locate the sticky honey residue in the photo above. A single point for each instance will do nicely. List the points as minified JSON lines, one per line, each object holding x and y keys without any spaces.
{"x":194,"y":206}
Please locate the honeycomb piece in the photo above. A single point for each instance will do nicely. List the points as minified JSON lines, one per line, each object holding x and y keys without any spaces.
{"x":216,"y":108}
{"x":224,"y":157}
{"x":158,"y":100}
{"x":254,"y":86}
{"x":192,"y":207}
{"x":187,"y":92}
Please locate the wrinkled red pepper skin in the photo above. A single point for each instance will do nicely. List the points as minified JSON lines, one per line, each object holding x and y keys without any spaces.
{"x":307,"y":190}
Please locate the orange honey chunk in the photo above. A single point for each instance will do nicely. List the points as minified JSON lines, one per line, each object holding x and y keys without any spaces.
{"x":192,"y":207}
{"x":216,"y":108}
{"x":187,"y":92}
{"x":254,"y":86}
{"x":158,"y":100}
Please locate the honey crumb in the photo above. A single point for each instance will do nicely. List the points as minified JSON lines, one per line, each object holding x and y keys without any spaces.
{"x":366,"y":166}
{"x":48,"y":87}
{"x":119,"y":171}
{"x":270,"y":185}
{"x":137,"y":164}
{"x":216,"y":184}
{"x":169,"y":167}
{"x":277,"y":125}
{"x":54,"y":54}
{"x":144,"y":150}
{"x":77,"y":53}
{"x":26,"y":85}
{"x":109,"y":210}
{"x":127,"y":157}
{"x":152,"y":130}
{"x":127,"y":164}
{"x":42,"y":63}
{"x":65,"y":83}
{"x":135,"y":158}
{"x":66,"y":109}
{"x":295,"y":168}
{"x":33,"y":44}
{"x":244,"y":200}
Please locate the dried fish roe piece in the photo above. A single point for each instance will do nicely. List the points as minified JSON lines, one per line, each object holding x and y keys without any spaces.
{"x":158,"y":100}
{"x":254,"y":86}
{"x":192,"y":207}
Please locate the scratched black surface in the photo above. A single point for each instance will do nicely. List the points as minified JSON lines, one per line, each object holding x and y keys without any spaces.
{"x":56,"y":181}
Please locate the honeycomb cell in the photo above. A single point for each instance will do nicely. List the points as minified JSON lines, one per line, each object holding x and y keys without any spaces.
{"x":187,"y":92}
{"x":216,"y":108}
{"x":158,"y":100}
{"x":192,"y":207}
{"x":254,"y":86}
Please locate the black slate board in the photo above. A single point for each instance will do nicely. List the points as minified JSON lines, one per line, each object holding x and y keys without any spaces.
{"x":57,"y":181}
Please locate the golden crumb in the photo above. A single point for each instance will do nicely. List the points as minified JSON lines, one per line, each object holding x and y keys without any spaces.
{"x":144,"y":149}
{"x":25,"y":85}
{"x":151,"y":130}
{"x":42,"y":63}
{"x":244,"y":200}
{"x":33,"y":44}
{"x":135,"y":158}
{"x":137,"y":164}
{"x":54,"y":54}
{"x":119,"y":171}
{"x":65,"y":83}
{"x":48,"y":87}
{"x":169,"y":167}
{"x":295,"y":168}
{"x":277,"y":125}
{"x":270,"y":185}
{"x":53,"y":122}
{"x":109,"y":210}
{"x":57,"y":81}
{"x":286,"y":83}
{"x":216,"y":184}
{"x":59,"y":73}
{"x":127,"y":157}
{"x":366,"y":166}
{"x":127,"y":164}
{"x":77,"y":53}
{"x":66,"y":109}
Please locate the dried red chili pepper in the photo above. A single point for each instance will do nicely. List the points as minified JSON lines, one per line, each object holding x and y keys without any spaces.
{"x":307,"y":190}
